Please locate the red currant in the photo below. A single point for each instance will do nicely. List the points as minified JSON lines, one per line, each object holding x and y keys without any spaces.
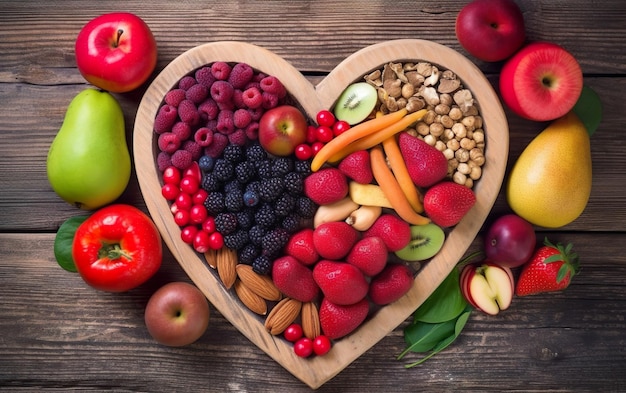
{"x":325,"y":118}
{"x":293,"y":332}
{"x":170,"y":191}
{"x":303,"y":347}
{"x":199,"y":197}
{"x":197,"y":214}
{"x":189,"y":185}
{"x":181,"y":217}
{"x":183,"y":201}
{"x":171,"y":175}
{"x":202,"y":242}
{"x":188,"y":233}
{"x":208,"y":225}
{"x":340,"y":127}
{"x":216,"y":240}
{"x":321,"y":345}
{"x":194,"y":171}
{"x":311,"y":134}
{"x":303,"y":151}
{"x":324,"y":134}
{"x":316,"y":147}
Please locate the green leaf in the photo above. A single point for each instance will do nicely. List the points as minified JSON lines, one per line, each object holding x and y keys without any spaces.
{"x":63,"y":242}
{"x":422,"y":337}
{"x":589,"y":109}
{"x":445,"y":303}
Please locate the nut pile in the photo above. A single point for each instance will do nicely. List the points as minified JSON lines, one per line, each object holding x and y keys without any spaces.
{"x":452,"y":124}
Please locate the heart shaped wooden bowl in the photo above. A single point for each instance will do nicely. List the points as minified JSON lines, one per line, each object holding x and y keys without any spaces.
{"x":316,"y":371}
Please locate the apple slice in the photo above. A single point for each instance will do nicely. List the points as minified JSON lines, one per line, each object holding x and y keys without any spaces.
{"x":488,"y":287}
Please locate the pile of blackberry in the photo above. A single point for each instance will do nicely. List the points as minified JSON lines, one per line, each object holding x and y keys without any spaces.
{"x":257,"y":201}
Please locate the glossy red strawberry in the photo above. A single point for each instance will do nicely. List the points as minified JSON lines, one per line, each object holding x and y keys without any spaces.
{"x":334,"y":240}
{"x":550,"y":269}
{"x":340,"y":282}
{"x":446,"y":203}
{"x":326,"y":186}
{"x":337,"y":321}
{"x":357,"y":167}
{"x":395,"y":232}
{"x":391,"y":284}
{"x":300,"y":246}
{"x":425,"y":163}
{"x":294,"y":279}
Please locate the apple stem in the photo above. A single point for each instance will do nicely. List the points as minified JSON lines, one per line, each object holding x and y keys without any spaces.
{"x":119,"y":35}
{"x":113,"y":251}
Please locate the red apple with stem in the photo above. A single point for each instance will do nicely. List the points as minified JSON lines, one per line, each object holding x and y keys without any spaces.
{"x":116,"y":52}
{"x":541,"y":82}
{"x":490,"y":30}
{"x":177,"y":314}
{"x":281,"y":129}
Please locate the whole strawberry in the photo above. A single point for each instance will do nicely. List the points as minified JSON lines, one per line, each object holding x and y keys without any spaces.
{"x":326,"y":186}
{"x":357,"y":167}
{"x":337,"y":321}
{"x":425,"y":163}
{"x":550,"y":269}
{"x":446,"y":203}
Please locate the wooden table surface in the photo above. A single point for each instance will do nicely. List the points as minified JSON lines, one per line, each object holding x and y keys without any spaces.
{"x":58,"y":334}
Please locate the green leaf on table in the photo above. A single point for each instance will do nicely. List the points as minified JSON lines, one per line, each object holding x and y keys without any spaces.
{"x":445,"y":303}
{"x":422,"y":337}
{"x":589,"y":109}
{"x":63,"y":242}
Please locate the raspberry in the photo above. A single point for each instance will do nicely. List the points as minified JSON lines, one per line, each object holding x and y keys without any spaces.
{"x":221,"y":91}
{"x":241,"y":118}
{"x":208,"y":109}
{"x":253,"y":83}
{"x":252,"y":131}
{"x":258,"y":77}
{"x":174,"y":97}
{"x":220,"y":70}
{"x":193,"y":148}
{"x":273,"y":85}
{"x":252,"y":98}
{"x":240,"y":75}
{"x":238,"y":137}
{"x":197,"y":93}
{"x":186,"y":82}
{"x":182,"y":130}
{"x":262,"y":265}
{"x":214,"y":203}
{"x":188,"y":112}
{"x":226,"y":106}
{"x":274,"y":241}
{"x":165,"y":119}
{"x":226,"y":223}
{"x":168,"y":142}
{"x":205,"y":77}
{"x":225,"y":123}
{"x":248,"y":254}
{"x":233,"y":153}
{"x":256,"y":234}
{"x":215,"y":149}
{"x":206,"y":163}
{"x":164,"y":160}
{"x":203,"y":136}
{"x":237,"y":240}
{"x":271,"y":189}
{"x":269,"y":100}
{"x":181,"y":159}
{"x":223,"y":170}
{"x":210,"y":182}
{"x":265,"y":216}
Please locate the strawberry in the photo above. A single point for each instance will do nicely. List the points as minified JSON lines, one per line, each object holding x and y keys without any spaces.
{"x":340,"y":282}
{"x":550,"y":269}
{"x":357,"y":167}
{"x":334,"y":240}
{"x":337,"y":321}
{"x":446,"y":203}
{"x":300,"y":246}
{"x":369,"y":255}
{"x":391,"y":284}
{"x":294,"y":279}
{"x":426,"y":164}
{"x":326,"y":186}
{"x":395,"y":232}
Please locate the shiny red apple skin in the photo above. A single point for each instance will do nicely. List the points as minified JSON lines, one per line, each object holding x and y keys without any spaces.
{"x":491,"y":30}
{"x":177,"y":314}
{"x":116,"y":52}
{"x":281,"y":129}
{"x":541,"y":82}
{"x":510,"y":241}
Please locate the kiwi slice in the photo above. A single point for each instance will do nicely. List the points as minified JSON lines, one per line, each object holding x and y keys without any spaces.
{"x":356,"y":102}
{"x":426,"y":241}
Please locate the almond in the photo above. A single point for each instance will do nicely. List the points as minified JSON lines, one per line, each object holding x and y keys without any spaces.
{"x":282,"y":315}
{"x":226,"y":262}
{"x":260,"y":284}
{"x":211,"y":258}
{"x":310,"y":320}
{"x":250,"y":299}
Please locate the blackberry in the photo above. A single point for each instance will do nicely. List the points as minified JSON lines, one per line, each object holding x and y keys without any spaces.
{"x":294,"y":182}
{"x":232,"y":186}
{"x":245,"y":218}
{"x":291,"y":223}
{"x":234,"y":153}
{"x":262,"y":265}
{"x":248,"y":253}
{"x":250,"y":198}
{"x":285,"y":204}
{"x":274,"y":241}
{"x":265,"y":216}
{"x":244,"y":172}
{"x":255,"y":153}
{"x":206,"y":163}
{"x":282,"y":166}
{"x":264,"y":169}
{"x":214,"y":203}
{"x":226,"y":223}
{"x":236,"y":241}
{"x":234,"y":201}
{"x":272,"y":188}
{"x":253,"y":186}
{"x":256,"y":233}
{"x":303,"y":166}
{"x":210,"y":183}
{"x":306,"y":208}
{"x":223,"y":170}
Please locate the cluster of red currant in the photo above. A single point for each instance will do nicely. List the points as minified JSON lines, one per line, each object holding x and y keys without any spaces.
{"x":327,"y":128}
{"x":304,"y":346}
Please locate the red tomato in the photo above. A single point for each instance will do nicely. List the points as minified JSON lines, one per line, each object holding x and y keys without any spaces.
{"x":117,"y":248}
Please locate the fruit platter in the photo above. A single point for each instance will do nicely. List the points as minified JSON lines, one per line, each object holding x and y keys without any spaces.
{"x":229,"y":277}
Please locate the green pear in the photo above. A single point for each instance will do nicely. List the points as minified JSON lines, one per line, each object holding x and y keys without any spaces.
{"x":88,"y":162}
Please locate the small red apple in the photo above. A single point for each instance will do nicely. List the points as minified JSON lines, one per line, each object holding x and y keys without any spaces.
{"x":541,"y":82}
{"x":510,"y":241}
{"x":281,"y":129}
{"x":487,"y":287}
{"x":116,"y":52}
{"x":490,"y":30}
{"x":177,"y":314}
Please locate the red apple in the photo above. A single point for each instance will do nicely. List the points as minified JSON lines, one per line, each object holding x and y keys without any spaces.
{"x":116,"y":52}
{"x":510,"y":241}
{"x":487,"y":286}
{"x":490,"y":30}
{"x":541,"y":82}
{"x":177,"y":314}
{"x":281,"y":129}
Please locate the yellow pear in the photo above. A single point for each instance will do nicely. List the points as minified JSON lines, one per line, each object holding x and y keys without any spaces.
{"x":550,"y":183}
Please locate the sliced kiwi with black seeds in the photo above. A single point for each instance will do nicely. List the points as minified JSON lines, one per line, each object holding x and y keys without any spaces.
{"x":426,"y":241}
{"x":356,"y":103}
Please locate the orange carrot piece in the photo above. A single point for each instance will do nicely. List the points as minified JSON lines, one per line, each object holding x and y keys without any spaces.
{"x":358,"y":131}
{"x":400,"y":171}
{"x":386,"y":180}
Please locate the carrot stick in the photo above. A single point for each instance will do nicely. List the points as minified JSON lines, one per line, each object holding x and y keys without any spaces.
{"x":386,"y":180}
{"x":358,"y":131}
{"x":377,"y":137}
{"x":400,"y":171}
